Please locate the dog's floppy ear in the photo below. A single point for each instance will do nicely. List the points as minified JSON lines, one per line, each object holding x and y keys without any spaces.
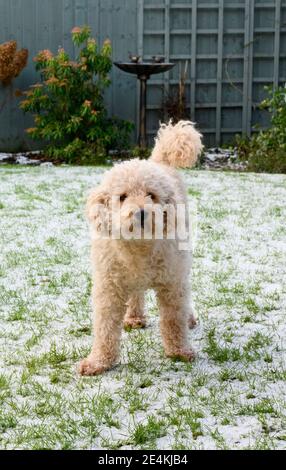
{"x":97,"y":202}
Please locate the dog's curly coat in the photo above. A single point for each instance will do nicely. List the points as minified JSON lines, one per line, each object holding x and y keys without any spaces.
{"x":124,"y":269}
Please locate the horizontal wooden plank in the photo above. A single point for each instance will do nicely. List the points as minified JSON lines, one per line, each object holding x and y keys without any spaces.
{"x":205,"y":130}
{"x":207,"y":105}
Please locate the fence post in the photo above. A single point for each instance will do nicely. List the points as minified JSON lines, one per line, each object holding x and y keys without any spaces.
{"x":167,"y":47}
{"x":219,"y":71}
{"x":277,"y":25}
{"x":248,"y":66}
{"x":193,"y":60}
{"x":140,"y":20}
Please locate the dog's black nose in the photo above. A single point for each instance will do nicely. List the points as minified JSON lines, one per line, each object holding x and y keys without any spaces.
{"x":141,"y":215}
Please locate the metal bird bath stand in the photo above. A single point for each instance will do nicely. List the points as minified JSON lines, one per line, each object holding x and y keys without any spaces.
{"x":143,"y":70}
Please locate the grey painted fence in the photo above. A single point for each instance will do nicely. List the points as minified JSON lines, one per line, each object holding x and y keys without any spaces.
{"x":233,"y":48}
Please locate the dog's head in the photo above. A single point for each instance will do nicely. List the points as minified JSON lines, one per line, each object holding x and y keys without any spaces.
{"x":133,"y":201}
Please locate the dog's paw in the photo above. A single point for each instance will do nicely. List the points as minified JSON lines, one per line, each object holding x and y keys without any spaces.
{"x":185,"y":355}
{"x":89,"y":366}
{"x":133,"y":323}
{"x":192,"y":321}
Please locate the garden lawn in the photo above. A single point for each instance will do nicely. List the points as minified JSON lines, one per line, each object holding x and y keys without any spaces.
{"x":232,"y":397}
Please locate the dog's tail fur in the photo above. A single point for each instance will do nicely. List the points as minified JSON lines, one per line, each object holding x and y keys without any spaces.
{"x":177,"y":145}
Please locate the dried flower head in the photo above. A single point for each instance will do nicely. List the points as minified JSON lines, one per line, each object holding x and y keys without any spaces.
{"x":43,"y":56}
{"x":52,"y":81}
{"x":20,"y":61}
{"x":30,"y":130}
{"x":76,"y":30}
{"x":12,"y":61}
{"x":74,"y":64}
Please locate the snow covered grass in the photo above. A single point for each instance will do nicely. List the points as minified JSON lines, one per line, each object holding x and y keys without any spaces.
{"x":232,"y":396}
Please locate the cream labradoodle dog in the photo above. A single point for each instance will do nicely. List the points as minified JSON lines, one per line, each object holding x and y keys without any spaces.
{"x":125,"y":267}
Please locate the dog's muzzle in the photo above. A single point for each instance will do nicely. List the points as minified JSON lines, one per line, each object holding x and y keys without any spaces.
{"x":141,"y":216}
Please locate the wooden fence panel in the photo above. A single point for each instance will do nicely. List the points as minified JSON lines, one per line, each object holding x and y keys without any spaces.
{"x":233,"y":49}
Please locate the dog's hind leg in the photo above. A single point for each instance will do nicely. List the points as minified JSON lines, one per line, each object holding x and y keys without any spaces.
{"x":174,"y":317}
{"x":135,"y":317}
{"x":192,"y":320}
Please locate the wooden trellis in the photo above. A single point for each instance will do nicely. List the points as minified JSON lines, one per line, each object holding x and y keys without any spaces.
{"x":234,"y":50}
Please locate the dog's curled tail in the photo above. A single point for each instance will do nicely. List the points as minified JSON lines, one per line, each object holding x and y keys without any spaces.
{"x":177,"y":145}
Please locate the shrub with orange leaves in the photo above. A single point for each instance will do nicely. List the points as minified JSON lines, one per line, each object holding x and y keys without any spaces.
{"x":12,"y":62}
{"x":68,"y":105}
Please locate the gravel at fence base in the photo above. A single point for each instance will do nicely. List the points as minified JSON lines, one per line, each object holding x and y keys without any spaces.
{"x":212,"y":159}
{"x":23,"y":158}
{"x":218,"y":158}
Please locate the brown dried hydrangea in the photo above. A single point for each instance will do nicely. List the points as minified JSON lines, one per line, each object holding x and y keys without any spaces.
{"x":12,"y":61}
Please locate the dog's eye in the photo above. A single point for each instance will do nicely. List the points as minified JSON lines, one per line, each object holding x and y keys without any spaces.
{"x":152,"y":196}
{"x":123,"y":197}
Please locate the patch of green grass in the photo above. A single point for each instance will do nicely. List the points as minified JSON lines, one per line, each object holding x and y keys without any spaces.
{"x":52,"y":241}
{"x":264,"y":406}
{"x":226,"y":375}
{"x":145,"y":435}
{"x":34,"y":339}
{"x":219,"y":353}
{"x":73,"y":203}
{"x":275,"y":211}
{"x":248,"y":318}
{"x":104,"y":409}
{"x":252,"y":349}
{"x":81,"y":331}
{"x":19,"y":311}
{"x":4,"y":382}
{"x":251,"y":305}
{"x":56,"y":355}
{"x":186,"y":419}
{"x":218,"y":438}
{"x":63,"y":256}
{"x":194,"y":192}
{"x":7,"y":421}
{"x":145,"y":382}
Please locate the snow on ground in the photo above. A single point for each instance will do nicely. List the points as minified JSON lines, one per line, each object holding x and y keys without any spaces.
{"x":231,"y":397}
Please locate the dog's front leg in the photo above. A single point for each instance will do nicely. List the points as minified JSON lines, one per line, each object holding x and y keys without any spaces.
{"x":110,"y":305}
{"x":174,"y":316}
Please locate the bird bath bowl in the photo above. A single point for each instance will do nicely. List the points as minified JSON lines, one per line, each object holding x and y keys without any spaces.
{"x":143,"y":70}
